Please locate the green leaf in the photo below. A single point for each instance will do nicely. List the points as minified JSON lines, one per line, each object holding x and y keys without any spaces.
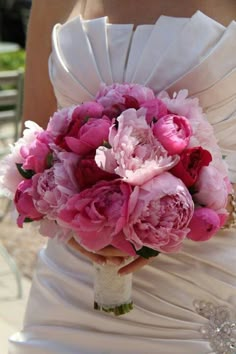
{"x":49,"y":160}
{"x":28,"y":220}
{"x":86,"y":119}
{"x":147,"y":252}
{"x":28,"y":174}
{"x":106,"y":144}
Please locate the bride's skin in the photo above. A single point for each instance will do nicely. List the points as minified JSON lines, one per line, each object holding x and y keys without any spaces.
{"x":40,"y":102}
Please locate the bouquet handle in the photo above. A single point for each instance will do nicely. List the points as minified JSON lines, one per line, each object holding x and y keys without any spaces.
{"x":112,"y":293}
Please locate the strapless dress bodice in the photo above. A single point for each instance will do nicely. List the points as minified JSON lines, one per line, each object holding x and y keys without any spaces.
{"x":196,"y":53}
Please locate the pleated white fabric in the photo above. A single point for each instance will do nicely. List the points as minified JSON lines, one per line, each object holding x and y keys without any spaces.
{"x":175,"y":53}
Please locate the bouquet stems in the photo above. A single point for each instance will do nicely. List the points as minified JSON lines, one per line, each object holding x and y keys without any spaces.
{"x":112,"y":293}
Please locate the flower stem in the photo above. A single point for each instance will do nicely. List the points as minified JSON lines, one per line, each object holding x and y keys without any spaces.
{"x":116,"y":310}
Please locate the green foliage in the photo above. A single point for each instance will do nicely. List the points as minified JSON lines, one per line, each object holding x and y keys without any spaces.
{"x":12,"y":60}
{"x":147,"y":252}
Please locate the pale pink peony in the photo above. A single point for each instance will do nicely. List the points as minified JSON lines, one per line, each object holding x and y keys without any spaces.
{"x":211,"y":189}
{"x":50,"y":228}
{"x":204,"y":224}
{"x":90,"y":136}
{"x":24,"y":203}
{"x":9,"y":175}
{"x":182,"y":105}
{"x":97,"y":214}
{"x":115,"y":94}
{"x":159,"y":212}
{"x":60,"y":121}
{"x":52,"y":188}
{"x":173,"y":132}
{"x":136,"y":155}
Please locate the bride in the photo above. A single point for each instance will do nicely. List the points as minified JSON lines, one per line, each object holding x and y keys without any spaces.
{"x":184,"y":302}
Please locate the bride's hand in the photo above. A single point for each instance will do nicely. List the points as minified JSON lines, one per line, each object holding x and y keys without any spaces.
{"x":111,"y":254}
{"x":106,"y":254}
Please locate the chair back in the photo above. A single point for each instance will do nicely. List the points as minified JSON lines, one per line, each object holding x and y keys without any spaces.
{"x":11,"y":97}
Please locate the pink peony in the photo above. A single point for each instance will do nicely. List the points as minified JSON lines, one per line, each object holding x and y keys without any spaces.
{"x":60,"y":121}
{"x":211,"y":189}
{"x":159,"y":212}
{"x":35,"y":155}
{"x":97,"y":214}
{"x":136,"y":155}
{"x":115,"y":94}
{"x":50,"y":228}
{"x":204,"y":224}
{"x":88,"y":110}
{"x":173,"y":132}
{"x":182,"y":105}
{"x":71,"y":120}
{"x":9,"y":175}
{"x":90,"y":136}
{"x":52,"y":188}
{"x":155,"y":109}
{"x":24,"y":203}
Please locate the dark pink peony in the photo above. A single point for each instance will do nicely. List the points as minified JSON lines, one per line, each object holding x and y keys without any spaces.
{"x":24,"y":203}
{"x":173,"y":132}
{"x":204,"y":224}
{"x":67,"y":123}
{"x":90,"y":136}
{"x":88,"y":173}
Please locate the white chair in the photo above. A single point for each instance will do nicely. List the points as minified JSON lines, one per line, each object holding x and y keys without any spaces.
{"x":11,"y":97}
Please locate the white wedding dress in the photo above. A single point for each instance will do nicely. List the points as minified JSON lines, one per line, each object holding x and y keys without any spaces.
{"x":198,"y":54}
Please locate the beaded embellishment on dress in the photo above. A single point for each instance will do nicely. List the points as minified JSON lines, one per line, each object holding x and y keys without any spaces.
{"x":220,"y":329}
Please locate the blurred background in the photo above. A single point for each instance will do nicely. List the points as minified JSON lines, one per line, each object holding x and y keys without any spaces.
{"x":18,"y":247}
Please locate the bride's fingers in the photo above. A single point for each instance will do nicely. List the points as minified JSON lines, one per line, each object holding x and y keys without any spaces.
{"x":135,"y":265}
{"x":111,"y":251}
{"x":115,"y":260}
{"x":94,"y":257}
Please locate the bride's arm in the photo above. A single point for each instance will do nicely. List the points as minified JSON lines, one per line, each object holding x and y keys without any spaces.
{"x":39,"y":99}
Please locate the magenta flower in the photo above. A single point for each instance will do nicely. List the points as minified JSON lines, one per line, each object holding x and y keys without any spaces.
{"x":24,"y":203}
{"x":173,"y":132}
{"x":90,"y":136}
{"x":159,"y":212}
{"x":204,"y":224}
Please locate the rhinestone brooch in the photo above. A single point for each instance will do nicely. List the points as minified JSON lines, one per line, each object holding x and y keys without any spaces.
{"x":220,"y":329}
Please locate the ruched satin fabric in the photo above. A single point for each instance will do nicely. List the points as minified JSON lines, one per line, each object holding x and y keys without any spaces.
{"x":175,"y":53}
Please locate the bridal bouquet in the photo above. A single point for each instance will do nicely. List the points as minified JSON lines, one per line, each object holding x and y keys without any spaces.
{"x":130,"y":169}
